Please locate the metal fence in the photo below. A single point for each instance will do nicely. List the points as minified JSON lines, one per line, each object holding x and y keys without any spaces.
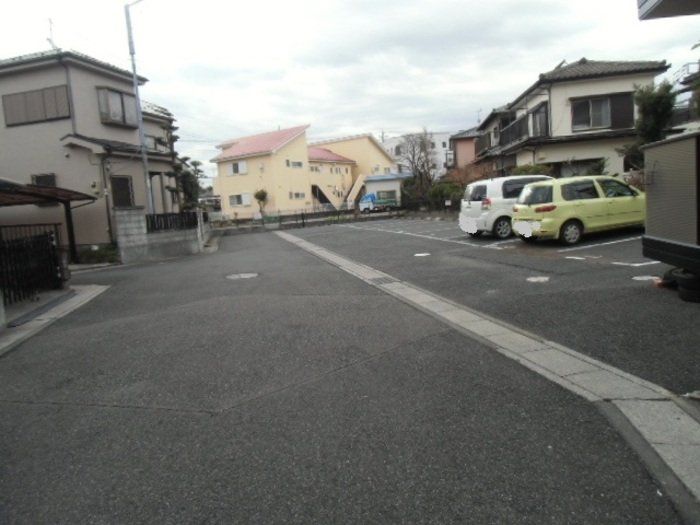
{"x":29,"y":261}
{"x":160,"y":222}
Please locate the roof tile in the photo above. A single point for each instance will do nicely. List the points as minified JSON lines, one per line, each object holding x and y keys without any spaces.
{"x":261,"y":144}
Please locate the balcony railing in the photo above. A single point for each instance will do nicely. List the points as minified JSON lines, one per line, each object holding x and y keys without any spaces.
{"x":684,"y":113}
{"x":483,"y":142}
{"x":514,"y":132}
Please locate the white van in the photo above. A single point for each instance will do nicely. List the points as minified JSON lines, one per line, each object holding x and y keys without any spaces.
{"x":487,"y":205}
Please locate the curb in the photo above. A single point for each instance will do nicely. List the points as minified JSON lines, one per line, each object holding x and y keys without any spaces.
{"x":11,"y":338}
{"x":669,"y":433}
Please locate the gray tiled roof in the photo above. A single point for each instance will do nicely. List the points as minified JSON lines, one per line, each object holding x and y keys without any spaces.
{"x":60,"y":53}
{"x":466,"y":134}
{"x":153,"y":109}
{"x":597,"y":68}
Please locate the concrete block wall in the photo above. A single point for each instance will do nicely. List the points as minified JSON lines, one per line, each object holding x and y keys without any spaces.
{"x":136,"y":244}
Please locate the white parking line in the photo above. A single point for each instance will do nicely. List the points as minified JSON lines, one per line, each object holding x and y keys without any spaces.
{"x":649,"y":408}
{"x":636,"y":265}
{"x":599,"y":244}
{"x":433,"y":238}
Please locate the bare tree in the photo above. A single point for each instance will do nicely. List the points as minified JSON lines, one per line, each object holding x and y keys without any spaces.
{"x":418,"y":155}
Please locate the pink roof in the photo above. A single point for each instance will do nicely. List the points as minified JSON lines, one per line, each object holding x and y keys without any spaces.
{"x":261,"y":144}
{"x":326,"y":155}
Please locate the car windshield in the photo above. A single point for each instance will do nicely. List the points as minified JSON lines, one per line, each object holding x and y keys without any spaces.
{"x":535,"y":195}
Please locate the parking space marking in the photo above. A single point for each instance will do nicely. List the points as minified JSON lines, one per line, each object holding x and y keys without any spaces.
{"x":636,"y":265}
{"x":433,"y":238}
{"x":587,"y":246}
{"x":649,"y":408}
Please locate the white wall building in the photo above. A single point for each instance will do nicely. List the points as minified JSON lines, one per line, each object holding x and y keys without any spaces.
{"x":440,"y":147}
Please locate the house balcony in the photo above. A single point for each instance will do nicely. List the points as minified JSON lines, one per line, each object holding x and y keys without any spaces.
{"x":684,"y":113}
{"x":483,"y":143}
{"x":531,"y":125}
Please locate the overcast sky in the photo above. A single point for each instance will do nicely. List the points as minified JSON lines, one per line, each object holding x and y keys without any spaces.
{"x":231,"y":68}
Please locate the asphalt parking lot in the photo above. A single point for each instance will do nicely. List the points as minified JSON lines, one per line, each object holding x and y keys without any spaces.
{"x":597,"y":297}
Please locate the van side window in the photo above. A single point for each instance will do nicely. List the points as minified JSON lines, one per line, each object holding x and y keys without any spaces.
{"x":478,"y":193}
{"x":512,"y":188}
{"x":612,"y":188}
{"x":579,"y":190}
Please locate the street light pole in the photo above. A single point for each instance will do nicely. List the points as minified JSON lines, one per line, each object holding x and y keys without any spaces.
{"x":139,"y":116}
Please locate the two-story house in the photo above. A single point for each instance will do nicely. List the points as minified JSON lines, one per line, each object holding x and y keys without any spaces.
{"x":69,"y":120}
{"x":462,"y":148}
{"x":296,"y":175}
{"x":275,"y":161}
{"x":369,"y":156}
{"x":573,"y":119}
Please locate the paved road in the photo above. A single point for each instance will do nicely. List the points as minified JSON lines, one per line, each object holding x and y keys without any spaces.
{"x":595,"y":297}
{"x":302,"y":395}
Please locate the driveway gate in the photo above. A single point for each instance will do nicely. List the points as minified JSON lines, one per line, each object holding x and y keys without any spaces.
{"x":29,"y":260}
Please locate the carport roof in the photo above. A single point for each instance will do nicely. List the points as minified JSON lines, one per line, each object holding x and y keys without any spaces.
{"x":15,"y":194}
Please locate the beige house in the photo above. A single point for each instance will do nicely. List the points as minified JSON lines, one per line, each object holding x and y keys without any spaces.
{"x":69,"y":120}
{"x":276,"y":161}
{"x":572,"y":118}
{"x":370,"y":159}
{"x":297,"y":176}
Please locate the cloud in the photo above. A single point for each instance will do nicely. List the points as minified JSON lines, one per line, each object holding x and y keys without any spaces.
{"x":227,"y":69}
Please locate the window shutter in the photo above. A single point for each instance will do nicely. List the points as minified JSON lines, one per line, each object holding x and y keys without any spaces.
{"x":50,"y":109}
{"x":621,"y":111}
{"x":130,"y":116}
{"x":242,"y":167}
{"x":34,"y":101}
{"x":14,"y":109}
{"x":247,"y":199}
{"x":115,"y":106}
{"x":62,"y":105}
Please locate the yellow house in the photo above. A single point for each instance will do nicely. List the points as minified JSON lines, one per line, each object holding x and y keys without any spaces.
{"x":331,"y":176}
{"x":276,"y":161}
{"x":369,"y":156}
{"x":296,"y":176}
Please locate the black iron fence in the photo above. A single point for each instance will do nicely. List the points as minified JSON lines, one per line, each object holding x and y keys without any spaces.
{"x":160,"y":222}
{"x":29,"y":261}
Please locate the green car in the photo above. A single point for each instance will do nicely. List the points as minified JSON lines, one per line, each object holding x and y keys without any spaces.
{"x":567,"y":208}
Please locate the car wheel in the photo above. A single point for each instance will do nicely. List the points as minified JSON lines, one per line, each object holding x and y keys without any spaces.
{"x":571,"y":232}
{"x":685,"y":279}
{"x":690,"y":296}
{"x":475,"y":234}
{"x":502,"y":228}
{"x":531,"y":239}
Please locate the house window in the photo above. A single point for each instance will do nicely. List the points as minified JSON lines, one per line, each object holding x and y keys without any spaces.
{"x":397,"y":150}
{"x":122,"y":192}
{"x":387,"y":170}
{"x":590,"y":113}
{"x":444,"y":145}
{"x":540,"y":124}
{"x":242,"y":199}
{"x":117,"y":107}
{"x":296,"y":164}
{"x":239,"y":168}
{"x":346,"y":170}
{"x":45,"y":179}
{"x":386,"y":195}
{"x":36,"y":106}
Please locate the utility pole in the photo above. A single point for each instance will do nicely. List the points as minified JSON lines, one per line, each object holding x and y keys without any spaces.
{"x":150,"y":207}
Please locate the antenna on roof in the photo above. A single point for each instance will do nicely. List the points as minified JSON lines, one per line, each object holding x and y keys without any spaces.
{"x":478,"y":117}
{"x":50,"y":39}
{"x":560,"y":64}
